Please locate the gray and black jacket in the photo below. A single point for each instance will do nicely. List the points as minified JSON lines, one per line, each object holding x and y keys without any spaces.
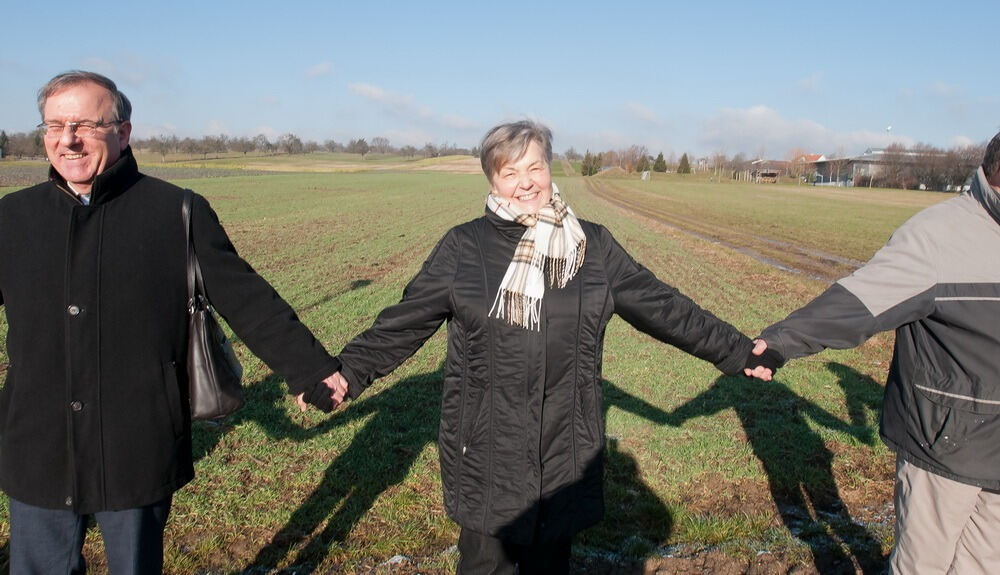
{"x":937,"y":283}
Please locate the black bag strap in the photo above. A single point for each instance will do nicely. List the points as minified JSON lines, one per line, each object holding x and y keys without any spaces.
{"x":195,"y":283}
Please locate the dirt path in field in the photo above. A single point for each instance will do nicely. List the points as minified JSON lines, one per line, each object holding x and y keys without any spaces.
{"x":568,"y":168}
{"x":810,"y":262}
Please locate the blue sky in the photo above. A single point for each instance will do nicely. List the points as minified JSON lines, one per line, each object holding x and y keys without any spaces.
{"x":697,"y":77}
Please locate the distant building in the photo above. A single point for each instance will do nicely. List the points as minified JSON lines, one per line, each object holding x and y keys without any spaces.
{"x":847,"y":170}
{"x":809,"y":159}
{"x":763,"y":171}
{"x":885,"y":164}
{"x":768,"y":171}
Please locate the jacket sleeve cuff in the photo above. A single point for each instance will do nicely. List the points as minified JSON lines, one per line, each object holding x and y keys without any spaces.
{"x":355,"y":387}
{"x":308,"y":383}
{"x":734,"y":364}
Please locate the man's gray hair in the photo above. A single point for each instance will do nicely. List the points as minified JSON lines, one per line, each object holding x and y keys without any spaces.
{"x":509,"y":142}
{"x":122,"y":108}
{"x":991,"y":159}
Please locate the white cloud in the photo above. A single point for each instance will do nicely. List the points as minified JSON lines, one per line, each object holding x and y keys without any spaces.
{"x":406,"y":108}
{"x":644,"y":114}
{"x":750,"y":130}
{"x":416,"y":137}
{"x":270,"y":132}
{"x":320,"y":69}
{"x":945,"y":90}
{"x":216,"y":127}
{"x":811,"y":83}
{"x":269,"y":100}
{"x":131,"y":70}
{"x":961,"y":141}
{"x":150,"y":130}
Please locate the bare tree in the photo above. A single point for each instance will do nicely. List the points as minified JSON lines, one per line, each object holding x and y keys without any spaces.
{"x":719,"y":161}
{"x":837,"y":164}
{"x":215,"y":144}
{"x":359,"y":146}
{"x":290,"y":144}
{"x":929,"y":166}
{"x":895,"y":172}
{"x":960,"y":162}
{"x":242,"y":145}
{"x":262,"y":144}
{"x":797,"y":165}
{"x":380,"y":145}
{"x":163,"y":145}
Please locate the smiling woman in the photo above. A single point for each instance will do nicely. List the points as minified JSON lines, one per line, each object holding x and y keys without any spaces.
{"x":527,"y":291}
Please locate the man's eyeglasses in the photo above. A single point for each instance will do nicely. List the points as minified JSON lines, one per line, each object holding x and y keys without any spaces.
{"x":84,"y":129}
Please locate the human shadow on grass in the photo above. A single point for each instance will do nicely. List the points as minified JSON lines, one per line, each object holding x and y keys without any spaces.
{"x":402,"y":420}
{"x":798,"y":463}
{"x":636,"y":521}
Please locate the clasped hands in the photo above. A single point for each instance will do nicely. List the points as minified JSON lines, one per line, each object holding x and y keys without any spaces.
{"x":762,"y":362}
{"x":326,"y":396}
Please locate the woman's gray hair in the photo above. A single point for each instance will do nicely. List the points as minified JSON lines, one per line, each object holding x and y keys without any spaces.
{"x":509,"y":142}
{"x":122,"y":108}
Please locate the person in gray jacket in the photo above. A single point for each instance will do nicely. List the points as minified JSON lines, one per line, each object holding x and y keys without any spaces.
{"x":937,"y":284}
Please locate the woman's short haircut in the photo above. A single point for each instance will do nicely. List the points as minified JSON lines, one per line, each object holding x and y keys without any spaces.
{"x":122,"y":108}
{"x":509,"y":142}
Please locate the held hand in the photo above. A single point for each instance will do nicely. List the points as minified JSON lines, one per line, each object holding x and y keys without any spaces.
{"x":338,"y":388}
{"x":326,"y":396}
{"x":302,"y":403}
{"x":762,"y":362}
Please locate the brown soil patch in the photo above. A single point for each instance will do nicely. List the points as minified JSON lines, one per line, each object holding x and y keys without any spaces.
{"x":461,"y":165}
{"x":809,"y":262}
{"x":711,"y":494}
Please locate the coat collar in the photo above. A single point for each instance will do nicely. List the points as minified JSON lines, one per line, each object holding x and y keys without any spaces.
{"x":509,"y":229}
{"x":985,"y":194}
{"x":110,"y":183}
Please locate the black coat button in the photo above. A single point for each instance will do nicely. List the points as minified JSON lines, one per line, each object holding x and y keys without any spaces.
{"x":76,"y":405}
{"x":73,"y":310}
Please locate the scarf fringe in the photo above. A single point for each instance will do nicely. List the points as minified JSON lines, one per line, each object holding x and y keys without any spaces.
{"x":560,"y":271}
{"x":518,"y":309}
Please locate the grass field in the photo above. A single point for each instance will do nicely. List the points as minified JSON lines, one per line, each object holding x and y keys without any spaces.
{"x":701,"y":469}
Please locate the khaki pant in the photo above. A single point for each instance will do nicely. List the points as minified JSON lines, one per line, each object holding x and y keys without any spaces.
{"x":943,"y":526}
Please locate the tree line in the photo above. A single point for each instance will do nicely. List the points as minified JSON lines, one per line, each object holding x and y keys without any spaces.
{"x":630,"y":159}
{"x":897,"y":166}
{"x":31,"y":145}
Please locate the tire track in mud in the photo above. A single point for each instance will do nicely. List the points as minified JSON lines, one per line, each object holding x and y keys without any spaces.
{"x":812,"y":263}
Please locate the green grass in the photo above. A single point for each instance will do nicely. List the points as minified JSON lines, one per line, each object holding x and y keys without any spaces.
{"x":694,"y":459}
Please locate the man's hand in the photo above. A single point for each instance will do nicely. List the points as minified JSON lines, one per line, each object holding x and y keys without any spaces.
{"x":326,"y":396}
{"x":762,"y":362}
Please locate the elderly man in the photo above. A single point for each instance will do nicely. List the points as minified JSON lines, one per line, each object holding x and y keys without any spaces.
{"x":937,"y":284}
{"x":93,"y":414}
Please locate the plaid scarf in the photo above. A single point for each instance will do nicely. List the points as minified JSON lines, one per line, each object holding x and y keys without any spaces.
{"x":553,"y":245}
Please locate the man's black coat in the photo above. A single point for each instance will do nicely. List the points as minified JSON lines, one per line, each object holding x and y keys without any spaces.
{"x":93,"y":413}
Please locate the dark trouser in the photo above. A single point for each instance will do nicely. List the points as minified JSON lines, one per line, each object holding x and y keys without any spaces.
{"x":484,"y":555}
{"x":49,"y":541}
